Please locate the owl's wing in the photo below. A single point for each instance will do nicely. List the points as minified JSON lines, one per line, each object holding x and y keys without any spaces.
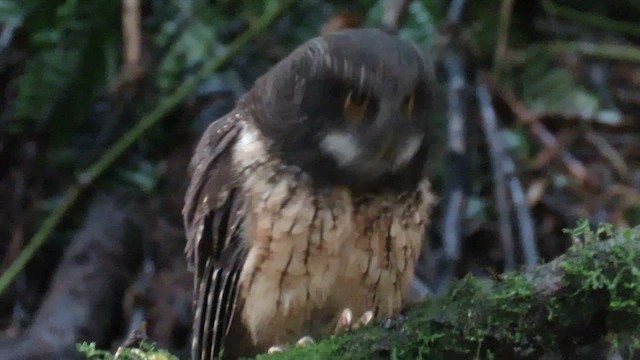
{"x":212,"y":217}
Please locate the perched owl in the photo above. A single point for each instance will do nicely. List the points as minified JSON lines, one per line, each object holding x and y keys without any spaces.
{"x":310,"y":197}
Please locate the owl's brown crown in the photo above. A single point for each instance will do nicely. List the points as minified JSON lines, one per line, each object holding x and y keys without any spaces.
{"x":348,"y":108}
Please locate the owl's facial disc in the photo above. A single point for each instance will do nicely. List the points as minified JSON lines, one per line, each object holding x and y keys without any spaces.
{"x":371,"y":156}
{"x":374,"y":132}
{"x":374,"y":135}
{"x":350,"y":108}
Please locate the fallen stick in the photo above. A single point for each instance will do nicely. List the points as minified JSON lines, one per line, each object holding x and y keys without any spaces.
{"x":87,"y":290}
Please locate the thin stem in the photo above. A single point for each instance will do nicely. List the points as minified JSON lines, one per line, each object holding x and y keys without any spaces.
{"x":590,"y":19}
{"x":502,"y":43}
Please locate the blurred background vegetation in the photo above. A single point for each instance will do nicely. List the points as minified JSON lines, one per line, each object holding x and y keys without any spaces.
{"x":109,"y":97}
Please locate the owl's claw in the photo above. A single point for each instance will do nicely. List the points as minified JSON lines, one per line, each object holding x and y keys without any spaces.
{"x":364,"y":320}
{"x":345,"y":321}
{"x":345,"y":324}
{"x":304,"y":341}
{"x":276,"y":349}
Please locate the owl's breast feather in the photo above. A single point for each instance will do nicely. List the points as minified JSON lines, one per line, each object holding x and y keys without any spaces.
{"x":315,"y":252}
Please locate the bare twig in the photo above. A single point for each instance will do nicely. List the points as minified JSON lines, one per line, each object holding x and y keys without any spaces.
{"x":132,"y":32}
{"x":544,"y":136}
{"x":456,"y":7}
{"x":6,"y":36}
{"x":395,"y":12}
{"x":456,"y":204}
{"x":98,"y":168}
{"x":135,"y":337}
{"x":629,"y":196}
{"x":598,"y":77}
{"x":502,"y":41}
{"x":523,"y":214}
{"x":135,"y":298}
{"x":610,"y":153}
{"x":456,"y":200}
{"x":132,"y":69}
{"x":495,"y":144}
{"x":508,"y":170}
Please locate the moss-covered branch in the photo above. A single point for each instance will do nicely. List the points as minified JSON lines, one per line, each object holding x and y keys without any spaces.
{"x":590,"y":294}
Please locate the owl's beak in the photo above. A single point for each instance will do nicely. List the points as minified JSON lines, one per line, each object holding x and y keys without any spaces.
{"x":395,"y":141}
{"x":407,"y":150}
{"x":398,"y":149}
{"x":386,"y":147}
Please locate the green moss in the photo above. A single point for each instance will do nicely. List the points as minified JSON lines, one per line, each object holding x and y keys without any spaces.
{"x":615,"y":272}
{"x":321,"y":351}
{"x":145,"y":351}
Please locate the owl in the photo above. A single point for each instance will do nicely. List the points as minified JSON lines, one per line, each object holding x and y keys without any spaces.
{"x":309,"y":201}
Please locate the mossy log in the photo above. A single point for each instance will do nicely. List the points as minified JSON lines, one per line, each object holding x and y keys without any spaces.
{"x":588,"y":296}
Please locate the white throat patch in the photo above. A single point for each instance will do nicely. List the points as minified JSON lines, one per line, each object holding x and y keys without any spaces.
{"x":344,"y":147}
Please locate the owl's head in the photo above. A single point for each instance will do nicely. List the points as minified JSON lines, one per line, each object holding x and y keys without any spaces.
{"x":349,"y":108}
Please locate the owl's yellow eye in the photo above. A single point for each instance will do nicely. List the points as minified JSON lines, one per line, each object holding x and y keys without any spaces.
{"x":355,"y":106}
{"x":408,"y":103}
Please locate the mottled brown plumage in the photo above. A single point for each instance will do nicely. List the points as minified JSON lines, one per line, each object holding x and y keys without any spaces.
{"x":310,"y":196}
